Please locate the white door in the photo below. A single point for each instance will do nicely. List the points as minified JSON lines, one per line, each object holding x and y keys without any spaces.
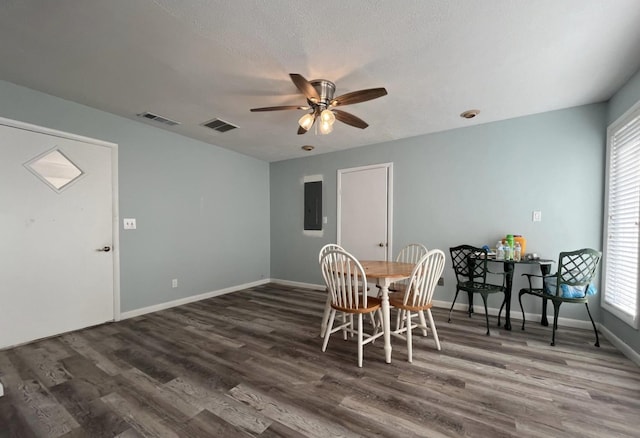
{"x":364,"y":211}
{"x":53,"y":277}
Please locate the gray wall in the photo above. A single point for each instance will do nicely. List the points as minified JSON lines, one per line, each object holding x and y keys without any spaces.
{"x":470,"y":185}
{"x":202,"y":211}
{"x":624,"y":99}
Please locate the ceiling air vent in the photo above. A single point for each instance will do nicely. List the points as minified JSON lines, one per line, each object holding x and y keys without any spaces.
{"x":219,"y":125}
{"x":157,"y":118}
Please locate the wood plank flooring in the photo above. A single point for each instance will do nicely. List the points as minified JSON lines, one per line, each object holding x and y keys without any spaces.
{"x":249,"y":364}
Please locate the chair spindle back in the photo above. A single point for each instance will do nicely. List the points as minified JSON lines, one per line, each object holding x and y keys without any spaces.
{"x":345,"y":279}
{"x":424,"y":279}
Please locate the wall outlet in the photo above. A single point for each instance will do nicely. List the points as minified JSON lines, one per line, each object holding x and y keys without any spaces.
{"x":129,"y":224}
{"x":174,"y":283}
{"x":536,"y":216}
{"x":441,"y":281}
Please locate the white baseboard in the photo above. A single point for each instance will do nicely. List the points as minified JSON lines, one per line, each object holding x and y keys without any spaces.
{"x":298,"y":284}
{"x":620,"y":344}
{"x":191,"y":299}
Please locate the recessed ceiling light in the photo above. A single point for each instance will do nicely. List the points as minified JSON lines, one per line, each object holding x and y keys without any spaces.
{"x":470,"y":114}
{"x":307,"y":148}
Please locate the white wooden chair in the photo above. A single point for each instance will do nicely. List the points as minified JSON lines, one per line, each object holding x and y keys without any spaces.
{"x":411,"y":253}
{"x":327,"y":306}
{"x":347,"y":284}
{"x":416,"y":299}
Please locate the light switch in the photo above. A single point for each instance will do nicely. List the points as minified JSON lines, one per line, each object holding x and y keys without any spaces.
{"x":537,"y":216}
{"x":129,"y":224}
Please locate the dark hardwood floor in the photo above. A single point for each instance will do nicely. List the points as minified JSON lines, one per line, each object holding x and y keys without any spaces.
{"x":249,"y":364}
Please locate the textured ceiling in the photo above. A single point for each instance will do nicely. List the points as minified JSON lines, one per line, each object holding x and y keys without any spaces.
{"x":195,"y":60}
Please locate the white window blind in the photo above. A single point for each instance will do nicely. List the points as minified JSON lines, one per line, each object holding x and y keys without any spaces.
{"x":623,"y":216}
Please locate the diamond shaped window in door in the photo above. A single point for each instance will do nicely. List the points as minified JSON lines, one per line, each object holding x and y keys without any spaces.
{"x":55,"y":169}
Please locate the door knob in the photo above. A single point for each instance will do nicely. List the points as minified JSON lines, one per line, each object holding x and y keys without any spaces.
{"x":104,"y":249}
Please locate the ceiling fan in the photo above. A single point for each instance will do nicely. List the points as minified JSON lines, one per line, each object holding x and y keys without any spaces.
{"x":319,"y":94}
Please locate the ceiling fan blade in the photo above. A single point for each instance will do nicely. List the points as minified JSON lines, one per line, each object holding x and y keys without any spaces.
{"x":279,"y":108}
{"x":301,"y":130}
{"x":350,"y":119}
{"x":358,"y":96}
{"x":305,"y":87}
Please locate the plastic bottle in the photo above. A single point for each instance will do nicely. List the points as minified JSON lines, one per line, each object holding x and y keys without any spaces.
{"x":508,"y":251}
{"x":523,"y":244}
{"x":509,"y":239}
{"x":517,"y":252}
{"x":499,"y":251}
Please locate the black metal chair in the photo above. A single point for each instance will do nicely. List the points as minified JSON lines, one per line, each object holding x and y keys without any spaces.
{"x":470,"y":266}
{"x":572,"y":283}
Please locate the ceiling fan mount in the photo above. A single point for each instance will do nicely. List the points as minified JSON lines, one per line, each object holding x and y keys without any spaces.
{"x":321,"y":102}
{"x":325,"y":90}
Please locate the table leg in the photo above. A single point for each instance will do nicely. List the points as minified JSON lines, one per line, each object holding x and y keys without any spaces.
{"x":545,"y":268}
{"x":508,"y":271}
{"x":386,"y":319}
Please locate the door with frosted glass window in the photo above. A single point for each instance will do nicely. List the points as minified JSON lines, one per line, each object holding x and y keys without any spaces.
{"x":56,"y":234}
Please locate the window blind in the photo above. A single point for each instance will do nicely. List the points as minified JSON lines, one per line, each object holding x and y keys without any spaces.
{"x":623,"y":217}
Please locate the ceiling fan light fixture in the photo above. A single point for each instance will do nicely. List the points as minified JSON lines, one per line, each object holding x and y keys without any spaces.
{"x":327,"y":116}
{"x":325,"y":127}
{"x":306,"y":121}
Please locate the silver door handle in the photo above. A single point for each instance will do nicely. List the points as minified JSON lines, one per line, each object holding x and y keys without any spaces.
{"x":104,"y":249}
{"x":381,"y":245}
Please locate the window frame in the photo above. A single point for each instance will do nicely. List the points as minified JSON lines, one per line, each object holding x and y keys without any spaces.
{"x":634,"y":322}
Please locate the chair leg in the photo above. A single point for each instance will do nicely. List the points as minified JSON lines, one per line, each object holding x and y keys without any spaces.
{"x":597,"y":344}
{"x":486,"y":313}
{"x":501,"y":307}
{"x":377,"y":326}
{"x":521,"y":308}
{"x":325,"y":316}
{"x":360,"y":340}
{"x":409,"y":340}
{"x":327,"y":332}
{"x":423,"y":323}
{"x":350,"y":333}
{"x":373,"y":320}
{"x":399,"y":319}
{"x":453,"y":304}
{"x":556,"y":310}
{"x":344,"y":320}
{"x":433,"y":329}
